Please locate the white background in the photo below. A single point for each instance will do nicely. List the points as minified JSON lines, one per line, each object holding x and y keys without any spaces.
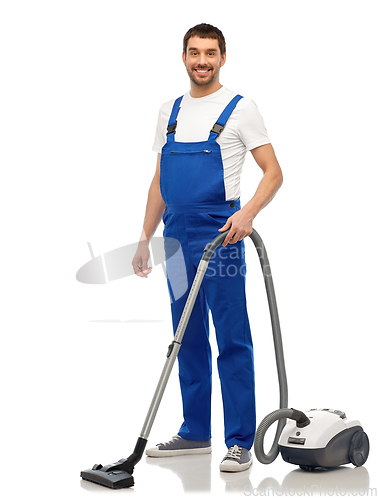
{"x":81,"y":86}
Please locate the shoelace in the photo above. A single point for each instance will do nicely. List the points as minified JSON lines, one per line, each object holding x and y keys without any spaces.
{"x":175,"y":438}
{"x":234,"y":451}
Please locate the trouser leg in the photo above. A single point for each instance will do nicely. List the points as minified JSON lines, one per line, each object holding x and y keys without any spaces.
{"x":224,"y":285}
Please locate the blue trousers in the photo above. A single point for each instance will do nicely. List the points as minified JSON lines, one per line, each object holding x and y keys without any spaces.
{"x":223,"y":293}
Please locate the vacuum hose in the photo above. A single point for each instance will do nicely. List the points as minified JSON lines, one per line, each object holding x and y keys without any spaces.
{"x":283,"y":413}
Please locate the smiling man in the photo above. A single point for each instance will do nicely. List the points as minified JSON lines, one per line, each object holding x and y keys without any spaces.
{"x":201,"y":141}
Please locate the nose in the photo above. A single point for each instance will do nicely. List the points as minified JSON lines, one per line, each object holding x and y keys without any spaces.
{"x":202,"y":59}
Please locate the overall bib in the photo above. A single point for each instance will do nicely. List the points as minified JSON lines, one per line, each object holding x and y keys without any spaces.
{"x":192,"y":186}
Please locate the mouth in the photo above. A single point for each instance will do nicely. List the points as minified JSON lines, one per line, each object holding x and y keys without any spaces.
{"x":202,"y":71}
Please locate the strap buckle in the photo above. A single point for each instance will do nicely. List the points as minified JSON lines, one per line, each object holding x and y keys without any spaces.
{"x":171,"y":129}
{"x":217,"y":129}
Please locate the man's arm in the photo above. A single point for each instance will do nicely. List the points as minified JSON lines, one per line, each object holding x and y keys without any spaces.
{"x":242,"y":220}
{"x":154,"y":212}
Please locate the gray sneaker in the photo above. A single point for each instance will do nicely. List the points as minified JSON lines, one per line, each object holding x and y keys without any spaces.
{"x":179,"y":446}
{"x":236,"y":460}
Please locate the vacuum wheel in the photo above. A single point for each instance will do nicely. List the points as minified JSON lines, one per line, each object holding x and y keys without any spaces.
{"x":359,"y":448}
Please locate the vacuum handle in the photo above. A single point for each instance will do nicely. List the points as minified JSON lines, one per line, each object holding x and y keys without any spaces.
{"x":213,"y":245}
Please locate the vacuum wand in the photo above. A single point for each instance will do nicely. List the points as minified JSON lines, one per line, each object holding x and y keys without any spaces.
{"x":174,"y":347}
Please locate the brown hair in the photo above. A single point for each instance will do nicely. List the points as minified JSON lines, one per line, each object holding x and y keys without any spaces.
{"x":206,"y":31}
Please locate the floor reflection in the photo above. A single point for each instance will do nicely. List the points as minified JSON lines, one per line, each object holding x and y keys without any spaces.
{"x":341,"y":480}
{"x":195,"y":475}
{"x":194,"y":471}
{"x":237,"y":482}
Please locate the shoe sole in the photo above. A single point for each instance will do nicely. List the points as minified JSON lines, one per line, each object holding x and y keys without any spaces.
{"x":229,"y":466}
{"x":156,"y":453}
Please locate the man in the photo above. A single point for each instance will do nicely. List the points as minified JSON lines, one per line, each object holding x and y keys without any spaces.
{"x":201,"y":141}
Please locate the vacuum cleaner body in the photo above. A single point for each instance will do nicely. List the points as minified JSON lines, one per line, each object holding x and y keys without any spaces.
{"x":329,"y":440}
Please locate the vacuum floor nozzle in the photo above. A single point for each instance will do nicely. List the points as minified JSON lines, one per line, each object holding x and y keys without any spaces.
{"x":115,"y":479}
{"x":119,"y":474}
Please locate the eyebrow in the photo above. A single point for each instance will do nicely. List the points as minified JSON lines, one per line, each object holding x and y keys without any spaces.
{"x":208,"y":50}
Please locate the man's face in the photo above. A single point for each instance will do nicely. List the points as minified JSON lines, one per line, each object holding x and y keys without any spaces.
{"x":203,"y":60}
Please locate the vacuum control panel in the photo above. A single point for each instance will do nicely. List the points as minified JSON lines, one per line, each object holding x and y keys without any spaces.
{"x":341,"y":414}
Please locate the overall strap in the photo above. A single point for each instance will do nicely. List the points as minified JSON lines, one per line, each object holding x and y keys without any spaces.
{"x":172,"y":122}
{"x":222,"y":120}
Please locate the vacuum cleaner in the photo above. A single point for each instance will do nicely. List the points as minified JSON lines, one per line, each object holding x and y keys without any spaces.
{"x":321,"y":437}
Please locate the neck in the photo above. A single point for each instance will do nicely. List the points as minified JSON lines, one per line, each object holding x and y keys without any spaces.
{"x":204,"y":90}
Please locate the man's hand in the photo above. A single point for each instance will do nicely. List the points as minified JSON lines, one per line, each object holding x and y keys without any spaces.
{"x":140,"y":260}
{"x":241,"y":226}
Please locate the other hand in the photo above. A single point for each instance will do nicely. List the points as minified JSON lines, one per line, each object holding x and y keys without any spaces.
{"x":140,"y":260}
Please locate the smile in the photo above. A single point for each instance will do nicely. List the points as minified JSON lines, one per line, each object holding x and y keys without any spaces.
{"x":202,"y":71}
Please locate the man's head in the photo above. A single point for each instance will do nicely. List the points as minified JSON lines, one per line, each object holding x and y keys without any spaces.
{"x":204,"y":53}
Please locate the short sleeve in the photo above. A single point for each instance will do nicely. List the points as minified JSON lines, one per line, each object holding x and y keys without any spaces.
{"x":251,"y":127}
{"x":159,"y":134}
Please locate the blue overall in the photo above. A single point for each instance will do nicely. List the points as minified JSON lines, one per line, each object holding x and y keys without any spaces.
{"x":192,"y":187}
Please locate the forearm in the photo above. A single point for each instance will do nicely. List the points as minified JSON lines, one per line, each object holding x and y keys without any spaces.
{"x":154,"y":210}
{"x":265,"y":192}
{"x":241,"y":221}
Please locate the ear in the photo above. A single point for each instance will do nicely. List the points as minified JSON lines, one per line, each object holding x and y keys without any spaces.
{"x":184,"y":58}
{"x":223,"y":59}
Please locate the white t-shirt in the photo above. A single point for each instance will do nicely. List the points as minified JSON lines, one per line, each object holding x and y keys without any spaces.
{"x":244,"y":130}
